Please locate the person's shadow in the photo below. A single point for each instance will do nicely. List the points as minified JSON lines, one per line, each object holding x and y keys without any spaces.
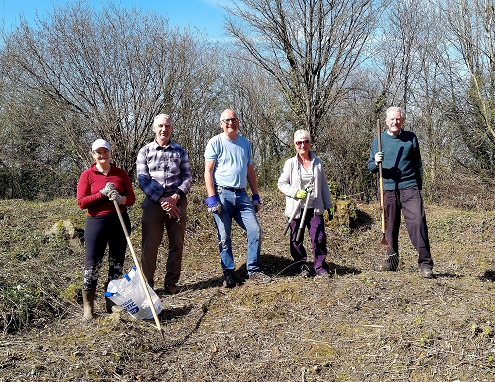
{"x":488,"y":276}
{"x":273,"y":266}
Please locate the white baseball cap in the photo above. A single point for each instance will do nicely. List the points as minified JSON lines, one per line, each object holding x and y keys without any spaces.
{"x":100,"y":143}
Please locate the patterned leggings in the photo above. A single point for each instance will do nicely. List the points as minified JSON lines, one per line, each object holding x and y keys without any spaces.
{"x":100,"y":231}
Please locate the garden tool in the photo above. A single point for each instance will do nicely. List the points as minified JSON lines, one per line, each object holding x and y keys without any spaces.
{"x":138,"y":269}
{"x":309,"y":190}
{"x":384,"y":242}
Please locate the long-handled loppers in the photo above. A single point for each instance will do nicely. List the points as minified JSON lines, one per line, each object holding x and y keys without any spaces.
{"x":309,"y":190}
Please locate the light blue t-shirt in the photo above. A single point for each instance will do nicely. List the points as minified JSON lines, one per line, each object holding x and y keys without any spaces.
{"x":232,"y":159}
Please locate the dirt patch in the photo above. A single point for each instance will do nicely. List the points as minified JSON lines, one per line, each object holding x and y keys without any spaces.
{"x":361,"y":325}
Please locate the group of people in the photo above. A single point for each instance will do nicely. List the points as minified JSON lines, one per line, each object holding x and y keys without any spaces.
{"x":164,"y":175}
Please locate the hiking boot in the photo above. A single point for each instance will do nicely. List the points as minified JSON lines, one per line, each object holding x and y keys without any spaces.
{"x":229,"y":280}
{"x":259,"y":277}
{"x":303,"y":271}
{"x":171,"y":289}
{"x":427,"y":273}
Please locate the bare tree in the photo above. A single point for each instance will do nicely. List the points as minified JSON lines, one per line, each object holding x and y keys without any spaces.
{"x":113,"y":71}
{"x":472,"y":23}
{"x":309,"y":46}
{"x":251,"y":91}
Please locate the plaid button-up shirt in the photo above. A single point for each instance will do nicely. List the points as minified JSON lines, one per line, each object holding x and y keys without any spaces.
{"x":162,"y":170}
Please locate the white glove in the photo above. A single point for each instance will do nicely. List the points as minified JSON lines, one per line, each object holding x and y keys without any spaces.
{"x":379,"y":157}
{"x":114,"y":195}
{"x":107,"y":189}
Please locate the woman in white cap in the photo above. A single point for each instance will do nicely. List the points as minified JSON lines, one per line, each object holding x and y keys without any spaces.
{"x":98,"y":187}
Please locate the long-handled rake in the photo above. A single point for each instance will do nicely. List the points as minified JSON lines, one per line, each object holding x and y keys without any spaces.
{"x":384,"y":242}
{"x":139,"y":270}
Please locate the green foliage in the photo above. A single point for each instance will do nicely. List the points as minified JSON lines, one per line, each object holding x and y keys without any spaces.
{"x":38,"y":264}
{"x":71,"y":293}
{"x":20,"y":296}
{"x":346,"y":214}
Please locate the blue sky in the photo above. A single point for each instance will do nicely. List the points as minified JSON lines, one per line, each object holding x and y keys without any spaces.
{"x":206,"y":15}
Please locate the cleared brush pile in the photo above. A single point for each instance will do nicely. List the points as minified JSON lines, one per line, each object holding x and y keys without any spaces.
{"x":362,"y":325}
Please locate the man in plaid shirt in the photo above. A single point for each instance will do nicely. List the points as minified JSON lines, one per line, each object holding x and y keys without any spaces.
{"x":164,"y":175}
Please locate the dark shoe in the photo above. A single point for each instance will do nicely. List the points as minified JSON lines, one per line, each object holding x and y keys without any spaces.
{"x":323,"y":275}
{"x":427,"y":273}
{"x":229,"y":280}
{"x":171,"y":289}
{"x":303,"y":271}
{"x":259,"y":277}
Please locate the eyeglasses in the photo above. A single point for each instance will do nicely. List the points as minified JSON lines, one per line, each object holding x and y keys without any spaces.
{"x":299,"y":143}
{"x":226,"y":121}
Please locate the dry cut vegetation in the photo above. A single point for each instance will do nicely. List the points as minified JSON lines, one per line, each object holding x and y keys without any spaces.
{"x":362,"y":325}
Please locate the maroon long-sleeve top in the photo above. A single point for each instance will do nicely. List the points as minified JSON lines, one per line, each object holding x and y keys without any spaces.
{"x":92,"y":181}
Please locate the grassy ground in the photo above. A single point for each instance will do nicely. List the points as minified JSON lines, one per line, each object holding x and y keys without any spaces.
{"x":361,"y":325}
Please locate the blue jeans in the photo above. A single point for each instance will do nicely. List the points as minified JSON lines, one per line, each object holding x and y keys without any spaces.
{"x":237,"y":205}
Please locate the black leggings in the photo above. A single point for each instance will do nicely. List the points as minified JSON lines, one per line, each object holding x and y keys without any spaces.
{"x":100,"y":231}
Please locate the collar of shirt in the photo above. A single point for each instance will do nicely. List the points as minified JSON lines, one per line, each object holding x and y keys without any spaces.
{"x":389,"y":133}
{"x":158,"y":147}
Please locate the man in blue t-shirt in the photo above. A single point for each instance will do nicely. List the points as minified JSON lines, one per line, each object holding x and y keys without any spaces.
{"x":228,"y":171}
{"x":402,"y":171}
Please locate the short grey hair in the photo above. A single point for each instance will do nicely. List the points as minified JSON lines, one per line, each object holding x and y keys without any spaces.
{"x":395,"y":109}
{"x":166,"y":116}
{"x":302,"y":134}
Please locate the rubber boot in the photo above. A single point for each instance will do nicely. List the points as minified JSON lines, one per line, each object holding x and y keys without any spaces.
{"x":88,"y":304}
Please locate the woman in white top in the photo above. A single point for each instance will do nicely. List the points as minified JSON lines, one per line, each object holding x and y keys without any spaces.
{"x":303,"y":177}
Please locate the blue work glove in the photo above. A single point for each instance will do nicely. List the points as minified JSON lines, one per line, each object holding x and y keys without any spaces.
{"x":330,"y":213}
{"x":255,"y":199}
{"x":300,"y":194}
{"x":213,"y":204}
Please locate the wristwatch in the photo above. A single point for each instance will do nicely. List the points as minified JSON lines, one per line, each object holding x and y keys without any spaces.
{"x":178,"y":196}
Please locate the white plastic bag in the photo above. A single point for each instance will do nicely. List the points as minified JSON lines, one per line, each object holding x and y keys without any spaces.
{"x":128,"y":292}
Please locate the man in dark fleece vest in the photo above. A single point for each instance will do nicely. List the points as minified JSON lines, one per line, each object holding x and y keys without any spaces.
{"x":402,"y":182}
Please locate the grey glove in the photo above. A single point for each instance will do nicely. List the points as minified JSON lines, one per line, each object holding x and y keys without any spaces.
{"x":379,"y":157}
{"x":108,"y":187}
{"x":114,"y":195}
